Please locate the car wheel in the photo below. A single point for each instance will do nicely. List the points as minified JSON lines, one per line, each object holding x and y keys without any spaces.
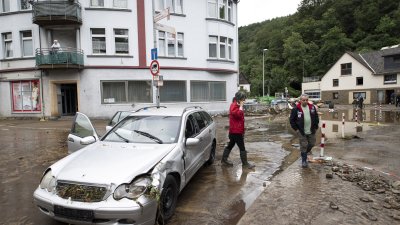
{"x":168,"y":199}
{"x":212,"y":154}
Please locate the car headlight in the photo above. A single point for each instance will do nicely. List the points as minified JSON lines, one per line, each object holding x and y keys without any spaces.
{"x":48,"y":182}
{"x":133,"y":190}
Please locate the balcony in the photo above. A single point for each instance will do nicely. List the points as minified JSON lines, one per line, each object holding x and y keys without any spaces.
{"x":70,"y":58}
{"x":56,"y":13}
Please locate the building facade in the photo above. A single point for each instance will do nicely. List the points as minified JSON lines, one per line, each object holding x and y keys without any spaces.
{"x":101,"y":63}
{"x":374,"y":75}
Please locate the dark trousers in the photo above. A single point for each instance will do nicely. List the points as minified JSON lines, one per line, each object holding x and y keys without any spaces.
{"x":239,"y":140}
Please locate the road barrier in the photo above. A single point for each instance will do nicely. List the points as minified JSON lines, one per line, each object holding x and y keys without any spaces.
{"x":342,"y":125}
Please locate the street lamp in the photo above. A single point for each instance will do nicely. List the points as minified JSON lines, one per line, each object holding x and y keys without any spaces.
{"x":264,"y":50}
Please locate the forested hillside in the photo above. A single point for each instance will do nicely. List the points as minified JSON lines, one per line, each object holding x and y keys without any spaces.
{"x":310,"y":41}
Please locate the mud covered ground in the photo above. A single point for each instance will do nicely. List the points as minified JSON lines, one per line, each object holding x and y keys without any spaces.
{"x":277,"y":191}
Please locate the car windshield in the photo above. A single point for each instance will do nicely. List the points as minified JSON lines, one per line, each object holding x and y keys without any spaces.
{"x":146,"y":129}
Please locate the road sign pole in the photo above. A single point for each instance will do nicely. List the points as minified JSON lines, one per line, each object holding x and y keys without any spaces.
{"x":155,"y":46}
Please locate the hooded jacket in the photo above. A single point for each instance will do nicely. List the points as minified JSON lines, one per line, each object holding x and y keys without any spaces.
{"x":236,"y":119}
{"x":297,"y":118}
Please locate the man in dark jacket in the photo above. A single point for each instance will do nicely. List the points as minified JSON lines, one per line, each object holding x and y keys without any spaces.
{"x":236,"y":131}
{"x":304,"y":120}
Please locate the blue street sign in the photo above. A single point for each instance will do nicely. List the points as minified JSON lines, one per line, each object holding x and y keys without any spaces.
{"x":154,"y":55}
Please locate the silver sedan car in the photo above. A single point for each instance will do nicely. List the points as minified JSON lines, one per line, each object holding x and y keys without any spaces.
{"x":134,"y":173}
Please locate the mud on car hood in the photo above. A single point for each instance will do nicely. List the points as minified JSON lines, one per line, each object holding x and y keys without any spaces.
{"x":109,"y":162}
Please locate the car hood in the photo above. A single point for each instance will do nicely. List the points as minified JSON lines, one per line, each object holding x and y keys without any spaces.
{"x":110,"y":162}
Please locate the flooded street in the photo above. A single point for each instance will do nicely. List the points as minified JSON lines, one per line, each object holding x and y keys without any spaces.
{"x":216,"y":194}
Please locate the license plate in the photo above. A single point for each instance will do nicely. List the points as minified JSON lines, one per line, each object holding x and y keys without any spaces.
{"x":75,"y":214}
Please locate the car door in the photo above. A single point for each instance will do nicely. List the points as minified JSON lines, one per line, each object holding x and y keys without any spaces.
{"x":194,"y":153}
{"x":81,"y":128}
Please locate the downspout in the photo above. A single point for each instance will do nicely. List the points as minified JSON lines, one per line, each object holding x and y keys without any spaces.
{"x":41,"y":80}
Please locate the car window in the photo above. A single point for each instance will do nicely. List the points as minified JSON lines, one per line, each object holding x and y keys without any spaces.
{"x":82,"y":127}
{"x":146,"y":129}
{"x":200,"y":121}
{"x":207,"y":118}
{"x":190,"y":130}
{"x":115,"y":119}
{"x":118,"y":117}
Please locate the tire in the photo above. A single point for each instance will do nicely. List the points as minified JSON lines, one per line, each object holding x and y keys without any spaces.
{"x":211,"y":159}
{"x":168,"y":200}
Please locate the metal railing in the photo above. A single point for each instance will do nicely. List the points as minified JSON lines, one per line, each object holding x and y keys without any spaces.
{"x":68,"y":57}
{"x":56,"y":11}
{"x":311,"y":79}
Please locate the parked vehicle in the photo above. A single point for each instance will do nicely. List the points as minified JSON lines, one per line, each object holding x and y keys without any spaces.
{"x":134,"y":173}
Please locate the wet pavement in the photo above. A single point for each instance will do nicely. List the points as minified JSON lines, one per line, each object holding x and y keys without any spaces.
{"x":275,"y":191}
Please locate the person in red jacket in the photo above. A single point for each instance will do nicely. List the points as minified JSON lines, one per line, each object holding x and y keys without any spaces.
{"x":236,"y":131}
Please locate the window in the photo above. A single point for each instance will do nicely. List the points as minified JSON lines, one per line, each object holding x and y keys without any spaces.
{"x":220,"y":9}
{"x":175,"y":6}
{"x":173,"y":91}
{"x":121,"y":41}
{"x":396,"y":58}
{"x":5,"y":5}
{"x":126,"y":91}
{"x":224,"y":50}
{"x":335,"y":83}
{"x":26,"y":43}
{"x":97,"y":3}
{"x":356,"y":94}
{"x":120,"y":4}
{"x":335,"y":95}
{"x":230,"y":11}
{"x":203,"y":91}
{"x":212,"y":8}
{"x":390,"y":79}
{"x":7,"y":44}
{"x":212,"y":46}
{"x":359,"y":81}
{"x":345,"y":69}
{"x":169,"y":45}
{"x":313,"y":94}
{"x":98,"y":40}
{"x":230,"y":49}
{"x":26,"y":96}
{"x":24,"y":5}
{"x":222,"y":47}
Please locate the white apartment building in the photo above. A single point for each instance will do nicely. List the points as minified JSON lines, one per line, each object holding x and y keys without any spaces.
{"x":102,"y":63}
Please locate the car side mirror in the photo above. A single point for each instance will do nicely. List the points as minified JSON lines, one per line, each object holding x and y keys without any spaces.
{"x":88,"y":140}
{"x":192,"y":141}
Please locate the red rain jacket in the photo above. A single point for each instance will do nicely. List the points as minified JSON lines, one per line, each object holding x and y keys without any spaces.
{"x":236,"y":119}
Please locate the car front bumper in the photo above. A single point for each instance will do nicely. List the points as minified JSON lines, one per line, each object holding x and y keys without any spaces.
{"x":107,"y":212}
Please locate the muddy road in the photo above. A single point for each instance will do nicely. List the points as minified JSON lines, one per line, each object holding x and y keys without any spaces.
{"x":216,"y":194}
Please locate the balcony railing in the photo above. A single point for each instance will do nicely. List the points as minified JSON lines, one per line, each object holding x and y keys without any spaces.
{"x":311,"y":79}
{"x":48,"y":58}
{"x":56,"y":12}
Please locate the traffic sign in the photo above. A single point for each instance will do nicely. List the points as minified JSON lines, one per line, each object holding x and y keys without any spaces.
{"x":165,"y":28}
{"x":154,"y":67}
{"x":161,"y":15}
{"x":154,"y":54}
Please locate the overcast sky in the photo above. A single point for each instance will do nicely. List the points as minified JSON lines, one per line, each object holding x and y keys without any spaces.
{"x":253,"y":11}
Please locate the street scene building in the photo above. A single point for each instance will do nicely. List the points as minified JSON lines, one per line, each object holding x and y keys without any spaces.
{"x":93,"y":56}
{"x":374,"y":75}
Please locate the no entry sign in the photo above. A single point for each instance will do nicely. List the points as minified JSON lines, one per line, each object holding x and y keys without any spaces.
{"x":154,"y":67}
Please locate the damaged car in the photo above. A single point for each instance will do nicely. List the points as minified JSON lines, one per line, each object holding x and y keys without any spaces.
{"x":131,"y":175}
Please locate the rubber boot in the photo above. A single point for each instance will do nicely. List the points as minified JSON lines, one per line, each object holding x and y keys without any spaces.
{"x":245,"y":163}
{"x":304,"y":162}
{"x":225,"y":156}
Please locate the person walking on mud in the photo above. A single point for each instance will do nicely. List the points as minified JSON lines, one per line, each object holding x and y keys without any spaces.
{"x":236,"y":131}
{"x":304,"y":120}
